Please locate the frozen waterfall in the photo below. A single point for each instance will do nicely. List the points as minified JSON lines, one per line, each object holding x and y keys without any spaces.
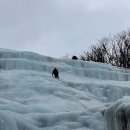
{"x":88,"y":95}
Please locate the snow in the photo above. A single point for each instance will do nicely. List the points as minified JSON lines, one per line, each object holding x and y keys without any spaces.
{"x":88,"y":95}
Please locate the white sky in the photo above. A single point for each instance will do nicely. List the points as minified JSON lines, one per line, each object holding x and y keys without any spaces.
{"x":59,"y":27}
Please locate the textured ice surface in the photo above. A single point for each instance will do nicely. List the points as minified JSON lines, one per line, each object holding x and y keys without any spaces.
{"x":31,"y":99}
{"x":118,"y":115}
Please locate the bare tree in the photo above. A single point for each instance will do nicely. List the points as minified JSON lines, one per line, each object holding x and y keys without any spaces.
{"x":113,"y":49}
{"x":98,"y":53}
{"x":121,"y":49}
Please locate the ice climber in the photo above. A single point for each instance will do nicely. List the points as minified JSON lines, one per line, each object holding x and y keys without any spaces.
{"x":74,"y":58}
{"x":55,"y":73}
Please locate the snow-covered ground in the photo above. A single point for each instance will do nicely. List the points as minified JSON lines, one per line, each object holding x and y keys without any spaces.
{"x":88,"y":95}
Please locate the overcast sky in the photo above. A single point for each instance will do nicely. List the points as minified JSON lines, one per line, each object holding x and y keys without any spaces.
{"x":59,"y":27}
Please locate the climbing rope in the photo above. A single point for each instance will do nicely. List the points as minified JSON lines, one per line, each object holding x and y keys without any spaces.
{"x":79,"y":101}
{"x":76,"y":97}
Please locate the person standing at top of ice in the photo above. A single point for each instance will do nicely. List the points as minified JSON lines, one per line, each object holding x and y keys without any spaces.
{"x":55,"y":73}
{"x":74,"y":58}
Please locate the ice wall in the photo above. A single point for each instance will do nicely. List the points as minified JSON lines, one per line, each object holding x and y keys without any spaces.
{"x":118,"y":115}
{"x":32,"y":61}
{"x":31,"y":99}
{"x":101,"y":86}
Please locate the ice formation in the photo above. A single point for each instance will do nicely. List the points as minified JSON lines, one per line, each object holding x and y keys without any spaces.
{"x":88,"y":95}
{"x":118,"y":115}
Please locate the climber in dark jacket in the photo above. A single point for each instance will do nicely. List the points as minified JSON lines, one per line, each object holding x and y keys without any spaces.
{"x":74,"y":58}
{"x":55,"y":73}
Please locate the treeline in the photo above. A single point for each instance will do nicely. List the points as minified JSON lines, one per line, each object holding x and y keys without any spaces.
{"x":112,"y":49}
